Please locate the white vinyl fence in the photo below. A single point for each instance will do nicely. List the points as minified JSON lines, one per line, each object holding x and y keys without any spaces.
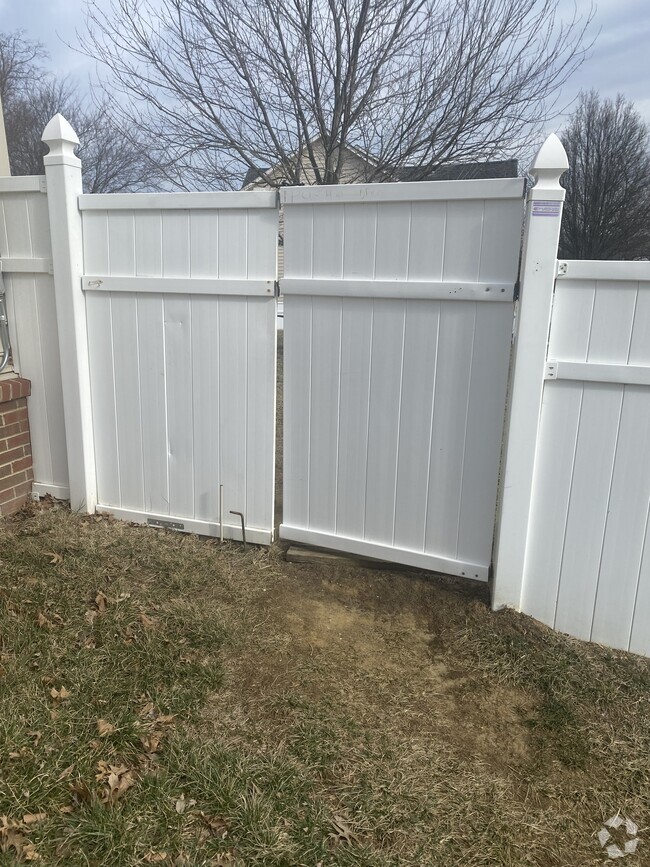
{"x":587,"y":562}
{"x":167,"y":324}
{"x":26,"y":261}
{"x":399,"y":304}
{"x":398,"y":308}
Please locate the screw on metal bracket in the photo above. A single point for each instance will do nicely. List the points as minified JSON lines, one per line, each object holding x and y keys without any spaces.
{"x":562,"y":267}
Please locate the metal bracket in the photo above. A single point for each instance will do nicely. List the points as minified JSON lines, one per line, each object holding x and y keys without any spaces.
{"x":551,"y":370}
{"x":165,"y":525}
{"x":562,"y":268}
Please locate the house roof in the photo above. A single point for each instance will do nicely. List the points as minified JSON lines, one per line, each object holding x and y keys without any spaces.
{"x":462,"y":171}
{"x":452,"y":172}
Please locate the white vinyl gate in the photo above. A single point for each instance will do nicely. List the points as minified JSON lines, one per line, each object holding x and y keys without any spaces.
{"x":397,"y":326}
{"x":180,"y":302}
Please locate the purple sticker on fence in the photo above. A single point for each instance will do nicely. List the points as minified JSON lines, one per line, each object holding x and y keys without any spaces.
{"x":543,"y":208}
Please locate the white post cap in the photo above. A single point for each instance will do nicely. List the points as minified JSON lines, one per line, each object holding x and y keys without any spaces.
{"x":61,"y":139}
{"x":549,"y":164}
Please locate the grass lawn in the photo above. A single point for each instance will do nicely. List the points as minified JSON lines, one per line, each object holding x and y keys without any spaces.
{"x":166,"y":700}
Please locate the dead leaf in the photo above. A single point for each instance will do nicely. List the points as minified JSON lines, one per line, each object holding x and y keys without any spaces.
{"x":34,"y":818}
{"x":117,"y":780}
{"x":101,"y":601}
{"x":165,"y":719}
{"x":18,"y":754}
{"x":105,"y":728}
{"x":155,"y":857}
{"x":90,"y":616}
{"x":66,"y":809}
{"x":151,"y":743}
{"x":148,"y":710}
{"x":342,"y":832}
{"x":218,"y":826}
{"x":30,"y":853}
{"x":56,"y":559}
{"x":81,"y":792}
{"x":60,"y":694}
{"x":65,"y":773}
{"x":182,"y":804}
{"x":43,"y":621}
{"x":146,"y":621}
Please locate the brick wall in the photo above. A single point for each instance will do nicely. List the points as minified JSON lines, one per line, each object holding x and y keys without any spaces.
{"x":15,"y":448}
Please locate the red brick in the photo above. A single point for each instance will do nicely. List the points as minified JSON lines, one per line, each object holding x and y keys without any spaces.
{"x":12,"y":480}
{"x":23,"y":488}
{"x":12,"y":389}
{"x":12,"y":455}
{"x":22,"y":464}
{"x":10,"y":430}
{"x":6,"y":470}
{"x":13,"y":416}
{"x":20,"y":439}
{"x":7,"y":495}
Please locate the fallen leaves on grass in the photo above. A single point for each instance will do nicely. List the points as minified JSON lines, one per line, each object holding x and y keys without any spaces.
{"x":55,"y":559}
{"x":215,"y":826}
{"x":147,"y":621}
{"x":34,"y":818}
{"x":105,"y":728}
{"x":182,"y":805}
{"x":116,"y":779}
{"x":342,"y":833}
{"x":155,"y":857}
{"x":101,"y":601}
{"x":13,"y":836}
{"x":59,"y":695}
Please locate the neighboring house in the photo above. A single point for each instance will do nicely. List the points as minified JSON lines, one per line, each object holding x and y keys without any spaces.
{"x":360,"y":168}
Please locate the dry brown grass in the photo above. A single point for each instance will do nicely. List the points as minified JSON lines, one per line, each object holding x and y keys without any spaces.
{"x":325,"y":715}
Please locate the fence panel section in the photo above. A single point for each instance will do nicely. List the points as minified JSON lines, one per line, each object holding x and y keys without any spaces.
{"x":398,"y":317}
{"x":26,"y":255}
{"x":588,"y":557}
{"x":182,"y":337}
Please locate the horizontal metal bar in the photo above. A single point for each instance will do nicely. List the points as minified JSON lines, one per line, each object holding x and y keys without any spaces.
{"x":435,"y":290}
{"x":417,"y":191}
{"x":177,"y":201}
{"x":23,"y":184}
{"x":191,"y":525}
{"x":622,"y":374}
{"x":584,"y":269}
{"x":178,"y":285}
{"x":25,"y":266}
{"x":418,"y":559}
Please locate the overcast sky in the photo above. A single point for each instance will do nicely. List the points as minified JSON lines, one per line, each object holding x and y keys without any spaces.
{"x":619,"y":62}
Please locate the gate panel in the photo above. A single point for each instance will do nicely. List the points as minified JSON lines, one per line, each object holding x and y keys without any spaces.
{"x":398,"y":317}
{"x":182,"y":339}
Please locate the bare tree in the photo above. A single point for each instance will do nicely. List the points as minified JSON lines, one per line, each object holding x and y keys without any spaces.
{"x":607,"y":209}
{"x":112,"y":159}
{"x":221,"y":87}
{"x":20,"y":63}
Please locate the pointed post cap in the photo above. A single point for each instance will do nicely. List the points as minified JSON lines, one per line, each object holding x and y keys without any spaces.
{"x":61,"y":139}
{"x":549,"y":164}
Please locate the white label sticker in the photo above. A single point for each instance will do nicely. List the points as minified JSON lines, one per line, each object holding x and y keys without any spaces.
{"x":542,"y":208}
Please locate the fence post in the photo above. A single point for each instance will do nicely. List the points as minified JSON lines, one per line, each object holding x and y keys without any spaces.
{"x":63,"y":173}
{"x":537,"y":280}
